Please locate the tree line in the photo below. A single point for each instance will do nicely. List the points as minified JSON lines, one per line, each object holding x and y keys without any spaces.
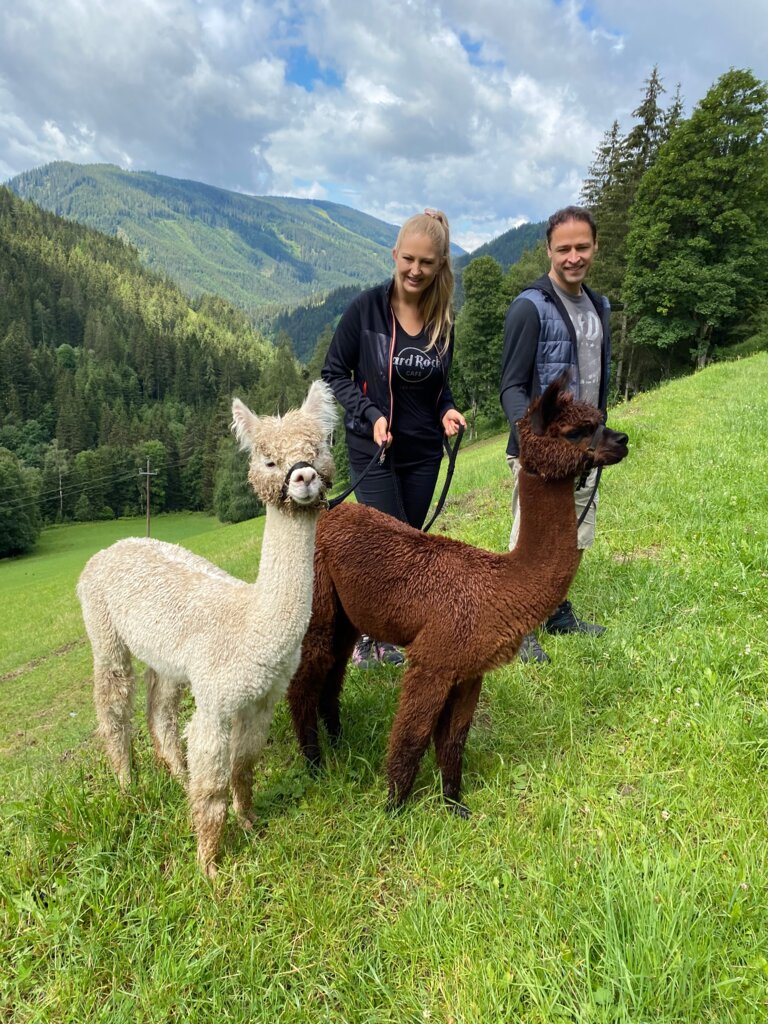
{"x":681,"y":206}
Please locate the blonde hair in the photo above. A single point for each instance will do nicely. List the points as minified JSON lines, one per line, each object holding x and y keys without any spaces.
{"x":436,"y":301}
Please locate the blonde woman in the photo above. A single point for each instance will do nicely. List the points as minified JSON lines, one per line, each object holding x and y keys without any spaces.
{"x":388,"y":365}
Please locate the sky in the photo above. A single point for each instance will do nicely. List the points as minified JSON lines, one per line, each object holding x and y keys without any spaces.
{"x":490,"y":110}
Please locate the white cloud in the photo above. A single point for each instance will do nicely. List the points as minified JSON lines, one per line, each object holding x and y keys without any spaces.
{"x":490,"y":110}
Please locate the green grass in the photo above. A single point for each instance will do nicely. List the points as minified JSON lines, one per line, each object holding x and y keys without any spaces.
{"x":614,"y":869}
{"x":43,"y":582}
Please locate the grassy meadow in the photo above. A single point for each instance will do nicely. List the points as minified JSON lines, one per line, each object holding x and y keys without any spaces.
{"x":614,"y":868}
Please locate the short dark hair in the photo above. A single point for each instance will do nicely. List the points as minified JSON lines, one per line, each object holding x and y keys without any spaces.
{"x":571,"y":213}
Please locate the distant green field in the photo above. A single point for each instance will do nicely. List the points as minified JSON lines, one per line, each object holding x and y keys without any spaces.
{"x":44,"y":660}
{"x":45,"y":579}
{"x":613,"y":872}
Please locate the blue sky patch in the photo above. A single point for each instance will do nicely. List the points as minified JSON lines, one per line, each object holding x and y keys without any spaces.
{"x":472,"y":48}
{"x":303,"y":69}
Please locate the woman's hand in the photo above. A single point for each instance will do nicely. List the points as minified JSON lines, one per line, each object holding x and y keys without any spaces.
{"x":452,"y":421}
{"x":380,"y":432}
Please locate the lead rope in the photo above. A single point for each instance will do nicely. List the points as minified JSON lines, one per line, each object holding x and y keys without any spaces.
{"x":593,"y":443}
{"x":583,"y":515}
{"x":379,"y":454}
{"x":451,"y":452}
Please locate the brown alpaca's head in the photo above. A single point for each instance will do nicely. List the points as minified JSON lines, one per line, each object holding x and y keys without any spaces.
{"x":561,"y":437}
{"x":291,"y":465}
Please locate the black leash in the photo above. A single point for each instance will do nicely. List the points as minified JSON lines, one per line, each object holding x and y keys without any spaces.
{"x":451,"y":452}
{"x":593,"y":443}
{"x":583,"y":515}
{"x":378,"y":455}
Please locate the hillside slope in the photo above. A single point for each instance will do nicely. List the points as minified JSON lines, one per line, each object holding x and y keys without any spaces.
{"x":259,"y":252}
{"x":507,"y":249}
{"x":99,"y":355}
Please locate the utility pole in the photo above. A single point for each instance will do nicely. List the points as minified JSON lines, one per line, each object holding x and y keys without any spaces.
{"x":147,"y":473}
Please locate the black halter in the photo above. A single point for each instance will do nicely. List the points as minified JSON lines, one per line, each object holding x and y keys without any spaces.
{"x":591,"y":448}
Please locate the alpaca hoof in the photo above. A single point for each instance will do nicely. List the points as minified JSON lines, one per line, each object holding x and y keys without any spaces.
{"x":314,"y":761}
{"x":394,"y":805}
{"x":247,"y":820}
{"x":459,"y":809}
{"x":210,"y":870}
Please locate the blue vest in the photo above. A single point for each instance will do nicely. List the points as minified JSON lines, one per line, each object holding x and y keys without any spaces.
{"x":556,"y":350}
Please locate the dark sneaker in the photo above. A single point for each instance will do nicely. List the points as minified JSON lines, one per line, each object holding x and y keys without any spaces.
{"x":563,"y":620}
{"x":530,"y":650}
{"x":364,"y":654}
{"x":389,"y":654}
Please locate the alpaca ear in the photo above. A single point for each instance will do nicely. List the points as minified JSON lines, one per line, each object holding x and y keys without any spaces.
{"x":320,"y":406}
{"x":548,"y":405}
{"x":244,"y":424}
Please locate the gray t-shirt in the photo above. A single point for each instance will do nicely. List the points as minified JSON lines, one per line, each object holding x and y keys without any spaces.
{"x":589,"y":342}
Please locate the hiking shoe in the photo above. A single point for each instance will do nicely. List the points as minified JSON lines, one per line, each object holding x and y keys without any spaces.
{"x":564,"y":620}
{"x":531,"y":650}
{"x":389,"y":654}
{"x":364,"y":654}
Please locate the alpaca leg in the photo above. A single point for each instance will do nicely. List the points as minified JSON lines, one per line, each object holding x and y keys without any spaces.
{"x":113,"y":689}
{"x":344,"y":643}
{"x":249,"y":734}
{"x":422,"y":700}
{"x":317,"y":660}
{"x":163,"y":699}
{"x":303,"y":701}
{"x":208,"y":742}
{"x":451,"y":736}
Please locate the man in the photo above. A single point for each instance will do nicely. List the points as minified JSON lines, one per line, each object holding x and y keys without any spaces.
{"x":557,"y":324}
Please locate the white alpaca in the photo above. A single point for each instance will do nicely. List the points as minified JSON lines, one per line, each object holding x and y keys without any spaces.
{"x":235,"y":644}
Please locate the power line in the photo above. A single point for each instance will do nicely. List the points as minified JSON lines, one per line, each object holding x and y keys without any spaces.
{"x":89,"y":486}
{"x":148,"y":473}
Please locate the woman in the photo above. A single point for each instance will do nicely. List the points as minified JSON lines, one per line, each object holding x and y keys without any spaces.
{"x":388,"y":366}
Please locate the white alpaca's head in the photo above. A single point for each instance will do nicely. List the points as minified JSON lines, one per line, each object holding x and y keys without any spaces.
{"x":291,"y":465}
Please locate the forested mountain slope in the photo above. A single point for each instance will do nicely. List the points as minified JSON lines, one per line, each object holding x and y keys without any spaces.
{"x":262,"y":253}
{"x":306,"y":322}
{"x":101,"y":358}
{"x":507,"y":249}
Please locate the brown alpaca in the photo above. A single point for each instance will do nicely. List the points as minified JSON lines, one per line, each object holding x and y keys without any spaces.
{"x":458,"y":610}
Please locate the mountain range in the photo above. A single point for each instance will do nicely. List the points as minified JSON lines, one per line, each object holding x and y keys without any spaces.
{"x":290,"y":264}
{"x":262,"y":253}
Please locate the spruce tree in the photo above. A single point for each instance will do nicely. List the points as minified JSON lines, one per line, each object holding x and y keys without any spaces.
{"x":479,"y":335}
{"x":609,"y":192}
{"x":19,"y":516}
{"x":697,"y":250}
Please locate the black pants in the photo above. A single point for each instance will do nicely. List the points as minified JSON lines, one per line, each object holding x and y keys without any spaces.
{"x":415,"y":484}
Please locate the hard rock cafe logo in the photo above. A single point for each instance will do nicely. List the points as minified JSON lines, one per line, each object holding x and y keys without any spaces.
{"x":414,"y":365}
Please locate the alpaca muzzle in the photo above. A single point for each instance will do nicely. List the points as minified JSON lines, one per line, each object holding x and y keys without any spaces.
{"x":306,"y":474}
